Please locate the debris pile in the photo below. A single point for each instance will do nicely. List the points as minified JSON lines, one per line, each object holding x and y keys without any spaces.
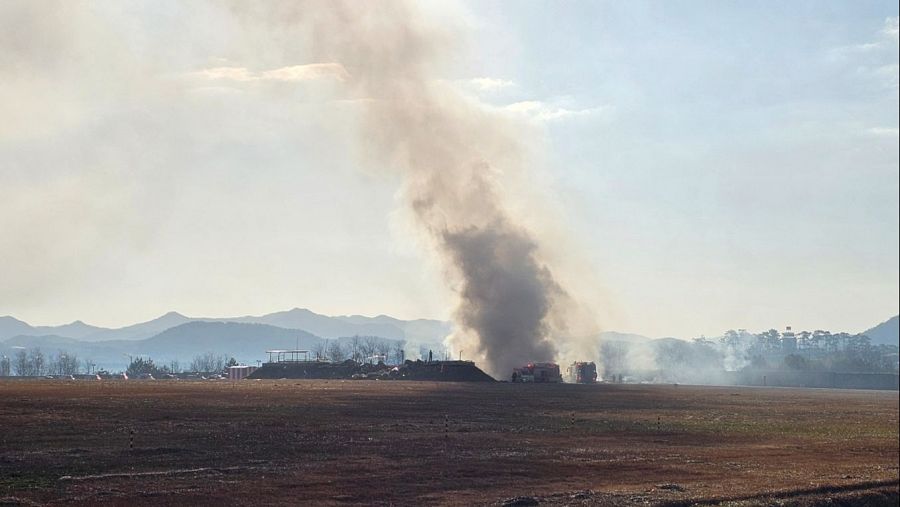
{"x":451,"y":371}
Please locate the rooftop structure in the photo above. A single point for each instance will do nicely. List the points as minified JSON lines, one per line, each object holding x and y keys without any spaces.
{"x":288,"y":356}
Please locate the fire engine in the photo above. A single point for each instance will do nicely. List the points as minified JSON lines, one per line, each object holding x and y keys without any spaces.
{"x":582,"y":373}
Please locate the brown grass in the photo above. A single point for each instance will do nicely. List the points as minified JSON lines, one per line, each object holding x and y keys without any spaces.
{"x":420,"y":443}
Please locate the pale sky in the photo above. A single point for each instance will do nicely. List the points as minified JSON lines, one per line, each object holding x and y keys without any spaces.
{"x":720,"y":164}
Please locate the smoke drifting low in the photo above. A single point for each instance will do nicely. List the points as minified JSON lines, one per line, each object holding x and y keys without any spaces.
{"x":451,"y":152}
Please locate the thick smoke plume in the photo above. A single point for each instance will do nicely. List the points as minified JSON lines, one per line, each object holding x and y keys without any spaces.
{"x":451,"y":152}
{"x":506,"y":295}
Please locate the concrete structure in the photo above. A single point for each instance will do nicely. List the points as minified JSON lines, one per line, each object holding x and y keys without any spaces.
{"x":788,"y":341}
{"x":240,"y":371}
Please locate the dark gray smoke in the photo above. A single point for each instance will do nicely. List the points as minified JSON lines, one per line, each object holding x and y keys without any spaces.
{"x":506,"y":294}
{"x":453,"y":154}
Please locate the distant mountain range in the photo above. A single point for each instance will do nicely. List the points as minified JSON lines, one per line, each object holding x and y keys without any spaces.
{"x":245,"y":342}
{"x":174,"y":336}
{"x":886,"y":333}
{"x":420,"y":330}
{"x":10,"y":326}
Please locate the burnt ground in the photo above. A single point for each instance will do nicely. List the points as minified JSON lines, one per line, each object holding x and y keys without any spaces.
{"x":334,"y":442}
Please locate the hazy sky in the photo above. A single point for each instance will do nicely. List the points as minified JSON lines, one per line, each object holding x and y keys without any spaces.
{"x":719,"y":164}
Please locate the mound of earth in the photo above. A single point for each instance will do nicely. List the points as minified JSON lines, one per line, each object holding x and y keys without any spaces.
{"x":451,"y":371}
{"x":311,"y":369}
{"x":455,"y":371}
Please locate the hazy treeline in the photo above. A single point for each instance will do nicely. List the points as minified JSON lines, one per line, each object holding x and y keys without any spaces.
{"x":804,"y":350}
{"x":700,"y":360}
{"x":207,"y":362}
{"x":704,"y":360}
{"x":210,"y":362}
{"x":33,"y":362}
{"x":362,"y":349}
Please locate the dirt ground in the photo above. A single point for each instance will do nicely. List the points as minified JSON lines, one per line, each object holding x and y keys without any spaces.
{"x":420,"y":443}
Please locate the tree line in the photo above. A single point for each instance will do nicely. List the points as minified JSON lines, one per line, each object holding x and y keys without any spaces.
{"x":33,"y":362}
{"x":207,"y":362}
{"x":361,"y":349}
{"x":816,"y":350}
{"x":739,"y":350}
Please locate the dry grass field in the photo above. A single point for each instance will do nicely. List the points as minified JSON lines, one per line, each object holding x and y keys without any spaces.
{"x":421,"y":443}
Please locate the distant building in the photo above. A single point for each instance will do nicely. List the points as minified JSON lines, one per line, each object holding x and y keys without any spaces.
{"x":788,"y":341}
{"x":240,"y":371}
